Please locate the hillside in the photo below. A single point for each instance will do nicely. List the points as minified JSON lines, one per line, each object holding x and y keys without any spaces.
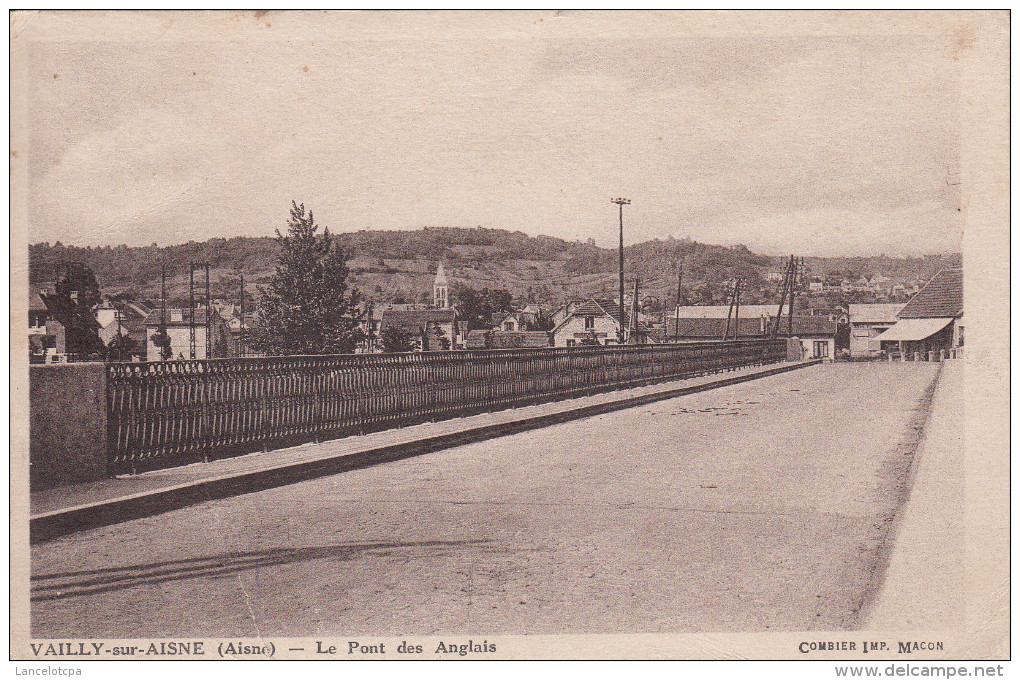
{"x":392,"y":265}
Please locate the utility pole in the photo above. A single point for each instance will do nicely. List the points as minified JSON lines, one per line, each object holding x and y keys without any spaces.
{"x":736,"y":310}
{"x":240,"y":335}
{"x":782,"y":301}
{"x":793,"y":287}
{"x":636,"y":310}
{"x":192,"y":322}
{"x":208,"y":316}
{"x":165,"y":351}
{"x":162,"y":294}
{"x":192,"y":340}
{"x":733,"y":312}
{"x":679,"y":288}
{"x":621,"y":202}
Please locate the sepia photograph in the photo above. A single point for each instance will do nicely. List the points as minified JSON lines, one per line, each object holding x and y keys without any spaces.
{"x":510,"y":335}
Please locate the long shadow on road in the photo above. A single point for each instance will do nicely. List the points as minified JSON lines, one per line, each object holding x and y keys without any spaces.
{"x":64,"y":585}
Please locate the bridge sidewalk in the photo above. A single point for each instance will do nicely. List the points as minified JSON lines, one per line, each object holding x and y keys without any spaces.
{"x":925,"y":576}
{"x":62,"y":510}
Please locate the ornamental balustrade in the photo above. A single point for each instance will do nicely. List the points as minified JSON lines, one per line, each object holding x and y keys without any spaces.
{"x":175,"y":412}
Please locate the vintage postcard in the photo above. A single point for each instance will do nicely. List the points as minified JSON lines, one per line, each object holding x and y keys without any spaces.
{"x":510,"y":335}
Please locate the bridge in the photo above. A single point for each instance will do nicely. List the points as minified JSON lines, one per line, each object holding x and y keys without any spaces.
{"x":762,"y":505}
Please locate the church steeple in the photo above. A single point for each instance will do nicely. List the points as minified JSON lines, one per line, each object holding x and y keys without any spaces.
{"x":441,"y":289}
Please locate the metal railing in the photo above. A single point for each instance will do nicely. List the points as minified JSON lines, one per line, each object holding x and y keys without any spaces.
{"x":174,"y":412}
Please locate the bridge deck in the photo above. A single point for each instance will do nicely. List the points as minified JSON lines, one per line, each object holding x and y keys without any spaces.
{"x":759,"y":506}
{"x":259,"y":470}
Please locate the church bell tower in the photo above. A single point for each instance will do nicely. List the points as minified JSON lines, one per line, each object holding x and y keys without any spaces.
{"x":441,"y":289}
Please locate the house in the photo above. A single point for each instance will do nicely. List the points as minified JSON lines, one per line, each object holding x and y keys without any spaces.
{"x":722,"y":311}
{"x":428,"y":329}
{"x":462,"y":328}
{"x":565,"y":310}
{"x":867,"y":322}
{"x":506,"y":322}
{"x":877,"y":280}
{"x":37,"y":314}
{"x":52,"y":341}
{"x":817,"y":334}
{"x":210,"y":331}
{"x":40,"y":342}
{"x":238,"y":327}
{"x":595,"y":322}
{"x":688,"y":329}
{"x":516,"y":321}
{"x":127,"y":319}
{"x":497,"y":339}
{"x":932,"y":321}
{"x":823,"y":306}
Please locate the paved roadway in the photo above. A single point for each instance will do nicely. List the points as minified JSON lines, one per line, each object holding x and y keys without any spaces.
{"x":762,"y":506}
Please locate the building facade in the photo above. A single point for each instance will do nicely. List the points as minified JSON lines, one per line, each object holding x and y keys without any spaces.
{"x":931,"y":323}
{"x":211,"y":334}
{"x":867,"y":322}
{"x":595,"y":322}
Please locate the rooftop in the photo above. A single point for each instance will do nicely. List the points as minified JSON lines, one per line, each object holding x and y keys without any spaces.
{"x":722,"y":311}
{"x":714,"y":328}
{"x":875,"y":313}
{"x":941,"y":297}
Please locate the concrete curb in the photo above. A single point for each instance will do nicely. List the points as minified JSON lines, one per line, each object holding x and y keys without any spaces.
{"x":50,"y":525}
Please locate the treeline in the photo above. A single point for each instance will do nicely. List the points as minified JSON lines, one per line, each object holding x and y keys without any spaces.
{"x":123,"y":265}
{"x":126,"y":267}
{"x":852,"y":267}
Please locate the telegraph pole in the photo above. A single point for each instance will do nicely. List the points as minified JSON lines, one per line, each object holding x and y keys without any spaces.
{"x":636,"y":311}
{"x":621,"y":202}
{"x":208,"y":316}
{"x":240,"y":336}
{"x":679,"y":288}
{"x":192,"y":328}
{"x":793,"y":288}
{"x":736,"y":310}
{"x":192,"y":340}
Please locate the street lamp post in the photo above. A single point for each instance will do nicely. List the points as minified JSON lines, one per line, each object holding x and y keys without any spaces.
{"x":621,"y":202}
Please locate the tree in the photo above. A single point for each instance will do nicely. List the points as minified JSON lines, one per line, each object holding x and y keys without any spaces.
{"x":76,"y":293}
{"x":121,"y":348}
{"x":478,"y":307}
{"x":161,"y":339}
{"x":395,"y":341}
{"x":308,"y":306}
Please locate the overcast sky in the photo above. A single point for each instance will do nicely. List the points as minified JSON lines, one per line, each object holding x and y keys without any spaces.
{"x":818,"y":146}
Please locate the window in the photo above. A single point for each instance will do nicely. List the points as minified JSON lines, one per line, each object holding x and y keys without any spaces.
{"x":589,"y":322}
{"x":570,"y":343}
{"x":508,"y":326}
{"x":821,"y":348}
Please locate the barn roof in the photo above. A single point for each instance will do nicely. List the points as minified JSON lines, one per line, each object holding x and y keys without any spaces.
{"x":941,"y":297}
